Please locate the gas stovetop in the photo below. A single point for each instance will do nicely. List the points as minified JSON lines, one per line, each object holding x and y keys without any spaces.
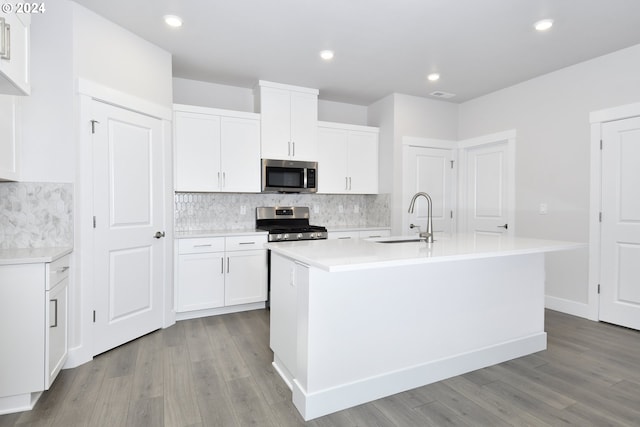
{"x":286,"y":223}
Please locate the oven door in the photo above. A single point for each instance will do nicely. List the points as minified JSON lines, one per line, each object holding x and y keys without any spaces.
{"x":287,"y":176}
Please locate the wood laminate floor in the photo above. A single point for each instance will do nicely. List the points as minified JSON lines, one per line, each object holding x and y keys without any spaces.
{"x":217,"y":371}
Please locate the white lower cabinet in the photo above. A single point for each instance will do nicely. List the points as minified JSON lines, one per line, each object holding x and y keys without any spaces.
{"x":33,"y":330}
{"x":216,"y":272}
{"x":363,"y":233}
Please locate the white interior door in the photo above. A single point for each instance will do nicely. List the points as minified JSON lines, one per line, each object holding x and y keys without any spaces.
{"x":620,"y":230}
{"x":429,"y":170}
{"x":486,"y":189}
{"x":128,"y":259}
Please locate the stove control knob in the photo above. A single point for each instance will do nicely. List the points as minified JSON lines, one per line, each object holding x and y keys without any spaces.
{"x":286,"y":237}
{"x":300,"y":236}
{"x":278,"y":236}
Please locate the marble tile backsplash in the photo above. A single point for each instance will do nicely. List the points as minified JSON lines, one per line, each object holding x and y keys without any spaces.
{"x":214,"y":211}
{"x":35,"y":215}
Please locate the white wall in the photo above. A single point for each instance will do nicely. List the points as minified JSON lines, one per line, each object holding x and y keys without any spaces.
{"x":551,"y":116}
{"x":213,"y":95}
{"x":204,"y":94}
{"x":111,"y":56}
{"x":331,"y":111}
{"x":48,"y":137}
{"x":400,"y":115}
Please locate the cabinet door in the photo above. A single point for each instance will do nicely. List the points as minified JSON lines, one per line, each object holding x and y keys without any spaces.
{"x":275,"y":127}
{"x":14,"y":71}
{"x":304,"y":125}
{"x":56,"y":331}
{"x":200,"y":281}
{"x":8,"y":139}
{"x":332,"y":160}
{"x":22,"y":321}
{"x":197,"y":151}
{"x":246,"y":280}
{"x":240,"y":152}
{"x":362,"y":156}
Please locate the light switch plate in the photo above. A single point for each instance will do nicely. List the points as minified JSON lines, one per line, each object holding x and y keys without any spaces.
{"x":543,"y":209}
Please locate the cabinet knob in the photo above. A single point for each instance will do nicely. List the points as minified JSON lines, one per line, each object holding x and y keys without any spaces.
{"x":159,"y":234}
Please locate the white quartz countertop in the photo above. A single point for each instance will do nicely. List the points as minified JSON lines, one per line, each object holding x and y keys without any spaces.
{"x":32,"y":255}
{"x":356,"y":254}
{"x":217,"y":233}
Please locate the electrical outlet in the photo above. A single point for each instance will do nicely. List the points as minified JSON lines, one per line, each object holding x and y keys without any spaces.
{"x":340,"y":208}
{"x":543,"y":209}
{"x":316,"y":209}
{"x":243,"y":210}
{"x":356,"y":208}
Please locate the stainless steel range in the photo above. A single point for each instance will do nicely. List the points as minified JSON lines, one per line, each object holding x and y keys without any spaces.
{"x":286,"y":223}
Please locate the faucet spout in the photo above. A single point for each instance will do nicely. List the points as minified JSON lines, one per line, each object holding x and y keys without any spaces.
{"x":429,"y":233}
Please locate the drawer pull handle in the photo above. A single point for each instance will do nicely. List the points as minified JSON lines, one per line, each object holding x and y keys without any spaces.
{"x":55,"y":313}
{"x":62,"y":269}
{"x":202,"y":246}
{"x":247,"y":243}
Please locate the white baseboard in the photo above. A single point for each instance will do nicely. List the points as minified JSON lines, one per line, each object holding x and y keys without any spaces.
{"x":323,"y":402}
{"x":567,"y":306}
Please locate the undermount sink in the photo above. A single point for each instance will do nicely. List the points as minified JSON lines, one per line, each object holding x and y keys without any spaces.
{"x":400,"y":241}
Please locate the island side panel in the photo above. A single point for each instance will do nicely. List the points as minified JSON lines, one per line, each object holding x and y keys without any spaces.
{"x":375,"y":332}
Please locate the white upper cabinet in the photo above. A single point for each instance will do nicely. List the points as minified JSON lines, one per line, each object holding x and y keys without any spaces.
{"x":216,"y":150}
{"x":347,"y":158}
{"x":14,"y":54}
{"x":289,"y":118}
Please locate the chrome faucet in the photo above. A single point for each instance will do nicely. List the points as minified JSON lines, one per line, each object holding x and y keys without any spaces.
{"x":429,"y":233}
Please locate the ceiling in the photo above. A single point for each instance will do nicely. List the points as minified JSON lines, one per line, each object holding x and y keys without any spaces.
{"x":381,"y":46}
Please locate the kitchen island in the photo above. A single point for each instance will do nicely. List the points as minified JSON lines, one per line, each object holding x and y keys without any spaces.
{"x":356,"y":320}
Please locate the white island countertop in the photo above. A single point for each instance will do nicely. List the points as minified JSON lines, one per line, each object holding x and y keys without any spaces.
{"x":356,"y":254}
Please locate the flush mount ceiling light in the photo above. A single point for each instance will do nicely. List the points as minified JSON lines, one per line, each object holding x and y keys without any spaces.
{"x":327,"y":55}
{"x":433,"y":77}
{"x":173,"y":21}
{"x":543,"y":24}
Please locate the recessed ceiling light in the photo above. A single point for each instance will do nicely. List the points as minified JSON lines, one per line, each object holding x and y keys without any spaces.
{"x":327,"y":55}
{"x":543,"y":25}
{"x":173,"y":21}
{"x":433,"y":77}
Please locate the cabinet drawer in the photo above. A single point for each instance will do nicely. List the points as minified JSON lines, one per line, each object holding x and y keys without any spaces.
{"x":200,"y":245}
{"x":372,"y":234}
{"x":245,"y":243}
{"x":58,"y":271}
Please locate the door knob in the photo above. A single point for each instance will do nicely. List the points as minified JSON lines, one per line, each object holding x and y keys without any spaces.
{"x":506,"y":226}
{"x":159,"y":234}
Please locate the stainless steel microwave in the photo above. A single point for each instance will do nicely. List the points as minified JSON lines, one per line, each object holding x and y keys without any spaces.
{"x":289,"y":176}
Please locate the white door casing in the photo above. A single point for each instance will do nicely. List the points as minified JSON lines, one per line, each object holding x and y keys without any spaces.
{"x":128,"y":209}
{"x":428,"y":170}
{"x":620,"y":226}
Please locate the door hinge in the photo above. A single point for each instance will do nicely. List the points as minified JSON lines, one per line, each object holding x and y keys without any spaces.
{"x":93,"y":125}
{"x":598,"y":288}
{"x":452,"y":163}
{"x":94,"y":222}
{"x":600,"y":144}
{"x":94,"y":316}
{"x":600,"y":216}
{"x":451,"y":214}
